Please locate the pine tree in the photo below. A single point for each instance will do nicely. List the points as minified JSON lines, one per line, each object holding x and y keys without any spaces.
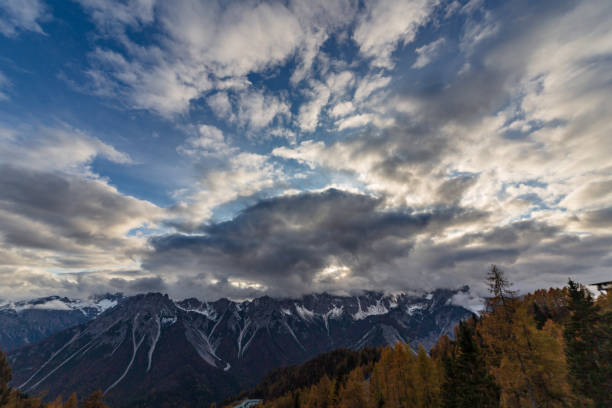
{"x":467,"y":381}
{"x":5,"y":378}
{"x":588,"y":336}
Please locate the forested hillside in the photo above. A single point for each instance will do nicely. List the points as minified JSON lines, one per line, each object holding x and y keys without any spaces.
{"x":551,"y":348}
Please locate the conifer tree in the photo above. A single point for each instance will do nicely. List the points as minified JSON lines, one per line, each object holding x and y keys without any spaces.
{"x":467,"y":381}
{"x":588,"y":337}
{"x":353,"y":394}
{"x":428,"y":389}
{"x":5,"y":378}
{"x":527,"y":363}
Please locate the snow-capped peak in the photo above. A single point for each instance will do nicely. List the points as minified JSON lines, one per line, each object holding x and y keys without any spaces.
{"x":304,"y":312}
{"x":376,"y":309}
{"x":93,"y":305}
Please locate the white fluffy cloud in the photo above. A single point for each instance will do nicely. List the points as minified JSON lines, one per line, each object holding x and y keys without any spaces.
{"x":308,"y":117}
{"x":204,"y":41}
{"x":209,"y":142}
{"x":388,"y":23}
{"x":257,"y":109}
{"x":243,"y":174}
{"x":21,"y":15}
{"x":428,"y":52}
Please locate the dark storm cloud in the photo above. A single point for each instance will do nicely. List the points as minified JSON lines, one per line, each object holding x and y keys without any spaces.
{"x":283,"y":243}
{"x":74,"y":217}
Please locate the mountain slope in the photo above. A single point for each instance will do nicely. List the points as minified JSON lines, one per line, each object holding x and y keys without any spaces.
{"x":149,"y":349}
{"x":27,"y":322}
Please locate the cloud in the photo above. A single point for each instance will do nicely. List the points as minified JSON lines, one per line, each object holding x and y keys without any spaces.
{"x":221,"y":105}
{"x":257,"y":109}
{"x":21,"y":15}
{"x":308,"y":117}
{"x":64,"y":221}
{"x":319,"y":94}
{"x":4,"y":83}
{"x":497,"y":154}
{"x":56,"y":213}
{"x":112,"y":15}
{"x":388,"y":23}
{"x":370,"y":84}
{"x":342,"y":109}
{"x":428,"y":52}
{"x":28,"y":282}
{"x":209,"y":142}
{"x":241,"y":175}
{"x":283,"y":244}
{"x":202,"y":43}
{"x":55,"y":148}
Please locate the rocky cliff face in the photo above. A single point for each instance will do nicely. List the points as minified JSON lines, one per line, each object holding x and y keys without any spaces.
{"x":149,"y":349}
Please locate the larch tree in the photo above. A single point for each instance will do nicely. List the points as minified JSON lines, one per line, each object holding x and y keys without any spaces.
{"x":527,"y":363}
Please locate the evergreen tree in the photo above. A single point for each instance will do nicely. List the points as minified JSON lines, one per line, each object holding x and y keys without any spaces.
{"x":467,"y":381}
{"x":5,"y":378}
{"x":588,"y":337}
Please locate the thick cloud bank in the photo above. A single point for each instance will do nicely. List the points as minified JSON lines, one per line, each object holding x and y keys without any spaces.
{"x":268,"y":147}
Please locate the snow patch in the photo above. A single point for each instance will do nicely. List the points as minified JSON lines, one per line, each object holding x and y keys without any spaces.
{"x":206,"y":311}
{"x":135,"y":347}
{"x":293,"y":334}
{"x":412,"y":309}
{"x":227,"y":367}
{"x":65,"y":304}
{"x":154,"y":343}
{"x":376,"y":309}
{"x":304,"y":313}
{"x":168,"y":321}
{"x":286,"y":312}
{"x":335,"y":312}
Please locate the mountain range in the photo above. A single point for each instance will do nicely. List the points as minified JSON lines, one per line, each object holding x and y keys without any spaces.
{"x":148,"y":349}
{"x":27,"y":322}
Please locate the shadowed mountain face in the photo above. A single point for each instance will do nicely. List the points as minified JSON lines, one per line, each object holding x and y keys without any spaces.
{"x":27,"y":322}
{"x":150,"y":349}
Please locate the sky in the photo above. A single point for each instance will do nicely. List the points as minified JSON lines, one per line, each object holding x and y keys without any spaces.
{"x":246,"y":148}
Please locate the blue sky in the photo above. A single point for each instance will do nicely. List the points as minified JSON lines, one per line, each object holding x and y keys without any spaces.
{"x":241,"y":148}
